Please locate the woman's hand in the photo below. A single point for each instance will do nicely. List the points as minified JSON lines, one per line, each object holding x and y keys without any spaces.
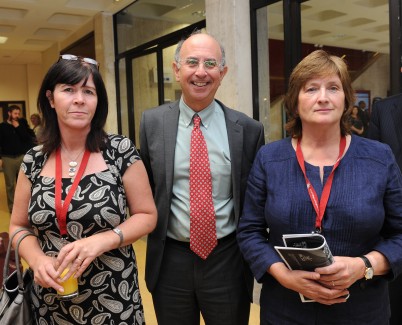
{"x":342,"y":273}
{"x":78,"y":255}
{"x":45,"y":272}
{"x":307,"y":283}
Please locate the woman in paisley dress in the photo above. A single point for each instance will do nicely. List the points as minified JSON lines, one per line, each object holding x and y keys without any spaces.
{"x":110,"y":208}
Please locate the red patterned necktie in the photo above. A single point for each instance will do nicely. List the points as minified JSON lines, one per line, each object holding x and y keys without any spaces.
{"x":202,"y":212}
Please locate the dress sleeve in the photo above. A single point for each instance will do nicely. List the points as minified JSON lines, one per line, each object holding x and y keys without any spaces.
{"x":32,"y":163}
{"x":122,"y":151}
{"x":252,"y":235}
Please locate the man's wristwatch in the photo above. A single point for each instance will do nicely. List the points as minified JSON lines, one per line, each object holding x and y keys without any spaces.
{"x":369,"y":271}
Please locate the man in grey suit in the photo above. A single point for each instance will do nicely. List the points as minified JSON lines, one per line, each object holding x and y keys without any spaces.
{"x":183,"y":284}
{"x":386,"y":126}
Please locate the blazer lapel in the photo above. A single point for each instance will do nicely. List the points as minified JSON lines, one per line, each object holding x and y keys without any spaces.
{"x":170,"y":124}
{"x":235,"y":137}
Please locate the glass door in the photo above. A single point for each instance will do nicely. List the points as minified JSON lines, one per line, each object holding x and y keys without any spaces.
{"x":270,"y":67}
{"x":144,"y":78}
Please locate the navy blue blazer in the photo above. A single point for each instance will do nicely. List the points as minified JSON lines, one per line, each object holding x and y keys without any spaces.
{"x":364,"y":213}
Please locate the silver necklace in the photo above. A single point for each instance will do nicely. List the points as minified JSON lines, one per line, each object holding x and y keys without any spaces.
{"x":73,"y":164}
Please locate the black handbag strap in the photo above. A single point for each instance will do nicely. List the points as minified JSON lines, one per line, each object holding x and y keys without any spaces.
{"x":6,"y":269}
{"x":17,"y":259}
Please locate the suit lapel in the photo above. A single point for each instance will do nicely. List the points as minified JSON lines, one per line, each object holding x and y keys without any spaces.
{"x":235,"y":137}
{"x":170,"y":125}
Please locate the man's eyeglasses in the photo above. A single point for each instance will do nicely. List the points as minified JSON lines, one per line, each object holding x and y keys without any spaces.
{"x":194,"y":63}
{"x":75,"y":58}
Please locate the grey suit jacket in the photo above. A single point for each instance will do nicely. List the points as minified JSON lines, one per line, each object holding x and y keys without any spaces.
{"x":386,"y":124}
{"x":158,"y":131}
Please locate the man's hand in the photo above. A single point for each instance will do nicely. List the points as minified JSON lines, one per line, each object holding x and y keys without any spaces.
{"x":15,"y":123}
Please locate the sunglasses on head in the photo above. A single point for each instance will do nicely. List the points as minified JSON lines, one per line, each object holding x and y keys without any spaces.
{"x":75,"y":58}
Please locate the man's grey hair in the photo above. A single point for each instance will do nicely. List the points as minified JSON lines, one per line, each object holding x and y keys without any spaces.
{"x":198,"y":31}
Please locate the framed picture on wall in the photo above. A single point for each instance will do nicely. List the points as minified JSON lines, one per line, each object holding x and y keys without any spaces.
{"x":4,"y":105}
{"x":363,"y":100}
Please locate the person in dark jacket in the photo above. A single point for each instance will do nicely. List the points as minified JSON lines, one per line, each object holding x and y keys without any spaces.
{"x":386,"y":126}
{"x":16,"y":138}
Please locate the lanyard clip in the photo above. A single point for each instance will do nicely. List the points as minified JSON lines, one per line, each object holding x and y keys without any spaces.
{"x":317,"y":230}
{"x":64,"y":239}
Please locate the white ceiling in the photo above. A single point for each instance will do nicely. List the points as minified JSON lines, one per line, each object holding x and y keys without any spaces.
{"x":356,"y":24}
{"x":32,"y":26}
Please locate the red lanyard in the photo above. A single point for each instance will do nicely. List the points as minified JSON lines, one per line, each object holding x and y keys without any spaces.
{"x":319,"y":207}
{"x":62,"y":208}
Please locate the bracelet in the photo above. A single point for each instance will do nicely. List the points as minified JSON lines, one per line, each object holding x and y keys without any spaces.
{"x":120,"y":234}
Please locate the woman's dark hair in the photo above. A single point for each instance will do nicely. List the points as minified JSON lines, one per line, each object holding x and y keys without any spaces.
{"x":71,"y":72}
{"x":316,"y":65}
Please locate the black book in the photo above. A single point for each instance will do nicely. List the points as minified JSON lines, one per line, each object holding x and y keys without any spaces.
{"x":305,"y":252}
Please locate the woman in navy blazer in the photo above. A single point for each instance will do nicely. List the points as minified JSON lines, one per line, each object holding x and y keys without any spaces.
{"x":324,"y":179}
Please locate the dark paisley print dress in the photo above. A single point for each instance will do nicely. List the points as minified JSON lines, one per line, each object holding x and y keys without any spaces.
{"x":108,"y":289}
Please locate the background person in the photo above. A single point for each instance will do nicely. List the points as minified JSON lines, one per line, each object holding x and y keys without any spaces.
{"x":386,"y":126}
{"x":36,"y":122}
{"x":364,"y":116}
{"x":183,"y":283}
{"x":88,"y":226}
{"x":323,"y":177}
{"x":15,"y":140}
{"x":356,"y":123}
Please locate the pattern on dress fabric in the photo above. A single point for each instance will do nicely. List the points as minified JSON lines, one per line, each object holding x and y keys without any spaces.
{"x":108,"y":289}
{"x":202,"y":213}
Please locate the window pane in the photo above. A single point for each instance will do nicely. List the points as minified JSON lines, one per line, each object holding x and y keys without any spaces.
{"x":172,"y":88}
{"x":145,"y":88}
{"x":358,"y":32}
{"x":271,"y":69}
{"x":144,"y":21}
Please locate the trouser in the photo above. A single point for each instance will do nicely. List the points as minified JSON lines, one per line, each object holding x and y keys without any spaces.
{"x":11,"y":167}
{"x":189,"y":286}
{"x":395,"y":297}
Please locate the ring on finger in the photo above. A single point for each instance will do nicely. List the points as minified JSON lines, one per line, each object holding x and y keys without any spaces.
{"x":79,"y":259}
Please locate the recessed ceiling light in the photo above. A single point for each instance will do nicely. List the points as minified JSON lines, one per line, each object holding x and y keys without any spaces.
{"x":339,"y":35}
{"x":3,"y":39}
{"x":200,"y":13}
{"x":185,"y":6}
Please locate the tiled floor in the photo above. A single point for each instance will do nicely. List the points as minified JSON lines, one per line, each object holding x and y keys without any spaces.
{"x":139,"y":246}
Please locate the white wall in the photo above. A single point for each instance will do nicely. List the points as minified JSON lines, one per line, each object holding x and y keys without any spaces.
{"x":34,"y":80}
{"x":13,"y":82}
{"x":375,"y":78}
{"x":20,"y":83}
